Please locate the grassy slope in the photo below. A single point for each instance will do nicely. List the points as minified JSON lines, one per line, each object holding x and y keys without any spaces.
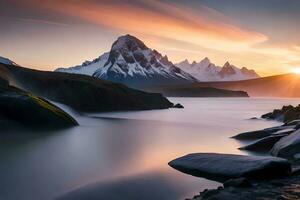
{"x":28,"y":109}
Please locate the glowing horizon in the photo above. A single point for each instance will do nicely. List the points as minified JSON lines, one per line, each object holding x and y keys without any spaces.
{"x":51,"y":34}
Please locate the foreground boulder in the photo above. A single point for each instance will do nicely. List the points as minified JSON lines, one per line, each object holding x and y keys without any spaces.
{"x":288,"y":147}
{"x":222,"y":167}
{"x":253,"y":135}
{"x":264,"y":144}
{"x":31,"y":111}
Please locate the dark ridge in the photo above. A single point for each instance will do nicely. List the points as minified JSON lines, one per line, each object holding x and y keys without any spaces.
{"x":82,"y":92}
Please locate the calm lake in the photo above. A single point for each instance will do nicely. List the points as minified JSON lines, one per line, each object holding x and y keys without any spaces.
{"x":125,"y":155}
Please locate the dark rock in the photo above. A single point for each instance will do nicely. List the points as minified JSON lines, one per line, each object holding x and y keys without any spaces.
{"x":3,"y":82}
{"x":252,"y":135}
{"x":32,"y":111}
{"x":284,"y":131}
{"x":239,"y":182}
{"x":296,"y":171}
{"x":222,"y":167}
{"x":297,"y":126}
{"x":264,"y":144}
{"x":288,"y":147}
{"x":294,"y":122}
{"x":276,"y":183}
{"x":178,"y":105}
{"x":286,"y":114}
{"x":283,"y":188}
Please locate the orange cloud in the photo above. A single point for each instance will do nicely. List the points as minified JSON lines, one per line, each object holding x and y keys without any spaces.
{"x":186,"y":26}
{"x":180,"y":32}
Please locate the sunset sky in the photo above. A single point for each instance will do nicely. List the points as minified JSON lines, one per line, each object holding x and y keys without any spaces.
{"x":258,"y":34}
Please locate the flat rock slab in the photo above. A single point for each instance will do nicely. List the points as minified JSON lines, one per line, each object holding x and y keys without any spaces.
{"x":252,"y":135}
{"x":284,"y":131}
{"x":222,"y":167}
{"x":294,"y":122}
{"x":288,"y":147}
{"x":264,"y":144}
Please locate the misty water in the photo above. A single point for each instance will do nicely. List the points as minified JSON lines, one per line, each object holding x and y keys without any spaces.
{"x":125,"y":155}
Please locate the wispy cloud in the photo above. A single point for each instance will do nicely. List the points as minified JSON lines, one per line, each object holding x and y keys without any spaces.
{"x":163,"y":20}
{"x":40,"y":21}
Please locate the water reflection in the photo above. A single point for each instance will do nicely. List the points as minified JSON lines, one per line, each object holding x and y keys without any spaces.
{"x":148,"y":186}
{"x":125,"y":153}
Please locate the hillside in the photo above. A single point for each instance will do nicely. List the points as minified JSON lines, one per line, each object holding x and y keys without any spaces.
{"x":286,"y":85}
{"x":84,"y":93}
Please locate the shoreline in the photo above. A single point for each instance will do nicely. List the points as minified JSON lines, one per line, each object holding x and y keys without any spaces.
{"x":278,"y":142}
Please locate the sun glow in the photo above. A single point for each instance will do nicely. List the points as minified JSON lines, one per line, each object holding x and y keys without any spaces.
{"x":296,"y":70}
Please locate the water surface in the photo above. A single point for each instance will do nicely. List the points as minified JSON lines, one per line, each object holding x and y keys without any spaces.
{"x":125,"y":154}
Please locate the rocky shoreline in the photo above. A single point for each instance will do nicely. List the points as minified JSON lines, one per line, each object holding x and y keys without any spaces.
{"x":287,"y":188}
{"x":253,"y":177}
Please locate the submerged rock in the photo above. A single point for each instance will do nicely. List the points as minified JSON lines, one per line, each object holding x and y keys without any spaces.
{"x":288,"y":147}
{"x":178,"y":105}
{"x":30,"y":110}
{"x":222,"y":167}
{"x":264,"y":144}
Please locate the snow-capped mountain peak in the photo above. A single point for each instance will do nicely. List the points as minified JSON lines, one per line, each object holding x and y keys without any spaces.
{"x":87,"y":67}
{"x":205,"y":61}
{"x":227,"y":70}
{"x":129,"y":43}
{"x":185,"y":62}
{"x":131,"y":62}
{"x":206,"y":71}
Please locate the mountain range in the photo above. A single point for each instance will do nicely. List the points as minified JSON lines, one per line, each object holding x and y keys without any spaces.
{"x":206,"y":71}
{"x":88,"y":93}
{"x":131,"y":62}
{"x":82,"y":93}
{"x":284,"y":85}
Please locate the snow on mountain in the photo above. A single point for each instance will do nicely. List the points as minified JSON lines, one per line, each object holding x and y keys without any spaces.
{"x":87,"y":67}
{"x":206,"y":71}
{"x":6,"y":61}
{"x":131,"y":62}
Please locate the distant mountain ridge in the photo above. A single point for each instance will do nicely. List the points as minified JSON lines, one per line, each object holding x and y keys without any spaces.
{"x":206,"y":71}
{"x":284,"y":85}
{"x":131,"y":62}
